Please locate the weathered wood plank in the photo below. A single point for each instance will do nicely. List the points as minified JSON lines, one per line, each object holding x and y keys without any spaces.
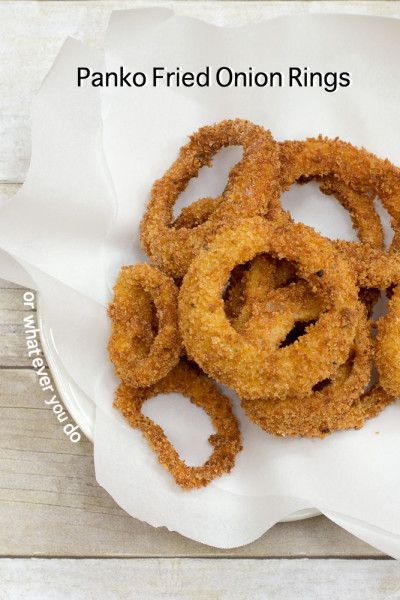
{"x":13,"y":352}
{"x":13,"y":297}
{"x":154,"y":579}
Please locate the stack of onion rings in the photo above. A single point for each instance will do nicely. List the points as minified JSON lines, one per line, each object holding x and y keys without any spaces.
{"x":261,"y":304}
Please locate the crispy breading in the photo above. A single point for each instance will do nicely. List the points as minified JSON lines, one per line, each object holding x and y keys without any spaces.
{"x":145,"y":342}
{"x":201,"y":392}
{"x":227,"y":356}
{"x":252,"y":186}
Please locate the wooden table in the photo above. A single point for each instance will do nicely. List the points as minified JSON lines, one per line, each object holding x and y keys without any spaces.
{"x":62,"y":536}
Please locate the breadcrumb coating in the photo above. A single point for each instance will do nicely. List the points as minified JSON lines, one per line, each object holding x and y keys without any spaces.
{"x":251,"y":371}
{"x":226,"y":441}
{"x":145,"y":342}
{"x":265,"y":306}
{"x":252,"y":185}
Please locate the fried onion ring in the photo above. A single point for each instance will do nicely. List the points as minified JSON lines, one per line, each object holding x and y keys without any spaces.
{"x":378,"y":269}
{"x":145,"y":342}
{"x":252,"y":185}
{"x":322,"y":160}
{"x":360,"y":171}
{"x":227,"y":356}
{"x":360,"y":207}
{"x":268,"y":307}
{"x":372,"y":268}
{"x":267,"y":318}
{"x":359,"y":204}
{"x":388,"y":346}
{"x":354,"y":176}
{"x":323,"y":410}
{"x":187,"y":381}
{"x":297,"y":421}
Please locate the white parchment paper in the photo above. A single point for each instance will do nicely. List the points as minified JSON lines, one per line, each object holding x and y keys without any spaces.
{"x":96,"y":154}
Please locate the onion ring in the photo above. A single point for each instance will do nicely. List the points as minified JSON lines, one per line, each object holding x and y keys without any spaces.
{"x":226,"y":355}
{"x":317,"y":424}
{"x":372,"y":268}
{"x":378,"y":269}
{"x":270,"y":310}
{"x":187,"y":381}
{"x":143,"y":352}
{"x":358,"y":169}
{"x":302,"y":162}
{"x":359,"y":204}
{"x":267,"y":317}
{"x":360,"y":207}
{"x":197,"y":213}
{"x":253,"y":184}
{"x":381,"y":270}
{"x":323,"y":410}
{"x":388,"y":346}
{"x":354,"y":176}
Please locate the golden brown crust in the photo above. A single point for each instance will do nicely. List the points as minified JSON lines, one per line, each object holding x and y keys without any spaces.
{"x":327,"y":407}
{"x":388,"y":346}
{"x":253,"y":184}
{"x":365,"y":406}
{"x":141,"y":350}
{"x":372,"y":268}
{"x":361,"y":171}
{"x":226,"y":440}
{"x":227,"y":356}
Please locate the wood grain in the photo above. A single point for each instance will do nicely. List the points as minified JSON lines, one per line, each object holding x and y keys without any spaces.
{"x":155,"y":579}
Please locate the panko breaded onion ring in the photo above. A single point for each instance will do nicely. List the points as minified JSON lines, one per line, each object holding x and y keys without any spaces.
{"x":346,"y":172}
{"x":324,"y":410}
{"x":372,"y":268}
{"x":144,"y":351}
{"x":197,"y":213}
{"x":273,"y":272}
{"x":233,"y":296}
{"x":366,"y":406}
{"x":227,"y":356}
{"x":360,"y":206}
{"x":302,"y":162}
{"x":187,"y":381}
{"x":270,"y":308}
{"x":252,"y":186}
{"x":377,"y":269}
{"x":362,"y":171}
{"x":271,"y":322}
{"x":269,"y":316}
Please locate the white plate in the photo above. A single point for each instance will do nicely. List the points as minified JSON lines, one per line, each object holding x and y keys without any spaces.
{"x":81,"y":408}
